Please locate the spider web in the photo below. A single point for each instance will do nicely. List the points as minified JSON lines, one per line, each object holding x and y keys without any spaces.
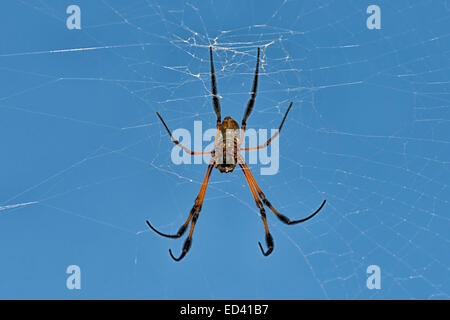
{"x":85,"y":161}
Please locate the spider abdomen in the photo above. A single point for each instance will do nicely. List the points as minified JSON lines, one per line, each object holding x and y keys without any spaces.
{"x":227,"y":145}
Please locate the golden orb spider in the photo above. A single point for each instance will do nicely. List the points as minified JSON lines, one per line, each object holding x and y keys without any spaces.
{"x":225,"y":156}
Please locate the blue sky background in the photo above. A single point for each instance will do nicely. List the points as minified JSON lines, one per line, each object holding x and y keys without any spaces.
{"x":84,"y":161}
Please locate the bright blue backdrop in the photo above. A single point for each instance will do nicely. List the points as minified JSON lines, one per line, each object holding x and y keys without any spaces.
{"x":84,"y":161}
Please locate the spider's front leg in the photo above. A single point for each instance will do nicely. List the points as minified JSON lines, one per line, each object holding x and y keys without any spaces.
{"x":280,"y":216}
{"x":195,"y":211}
{"x":257,"y":191}
{"x":269,"y":238}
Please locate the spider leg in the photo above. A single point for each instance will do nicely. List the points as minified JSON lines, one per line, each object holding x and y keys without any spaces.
{"x":195,"y":208}
{"x":178,"y":142}
{"x":283,"y":218}
{"x":274,"y":136}
{"x":193,"y":215}
{"x":269,"y":239}
{"x":251,"y":102}
{"x":180,"y":231}
{"x":216,"y":102}
{"x":188,"y":242}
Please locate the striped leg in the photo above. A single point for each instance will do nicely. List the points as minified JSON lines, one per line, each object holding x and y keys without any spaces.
{"x":269,"y":239}
{"x":178,"y":142}
{"x":272,"y":137}
{"x":267,"y":203}
{"x":192,"y":216}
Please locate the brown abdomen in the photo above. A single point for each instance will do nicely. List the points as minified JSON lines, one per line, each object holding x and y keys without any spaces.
{"x":227,"y":145}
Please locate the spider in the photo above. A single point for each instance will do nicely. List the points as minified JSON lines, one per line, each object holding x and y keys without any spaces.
{"x":225,"y":157}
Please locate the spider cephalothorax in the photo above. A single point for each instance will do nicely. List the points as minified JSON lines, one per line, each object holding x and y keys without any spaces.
{"x":225,"y":156}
